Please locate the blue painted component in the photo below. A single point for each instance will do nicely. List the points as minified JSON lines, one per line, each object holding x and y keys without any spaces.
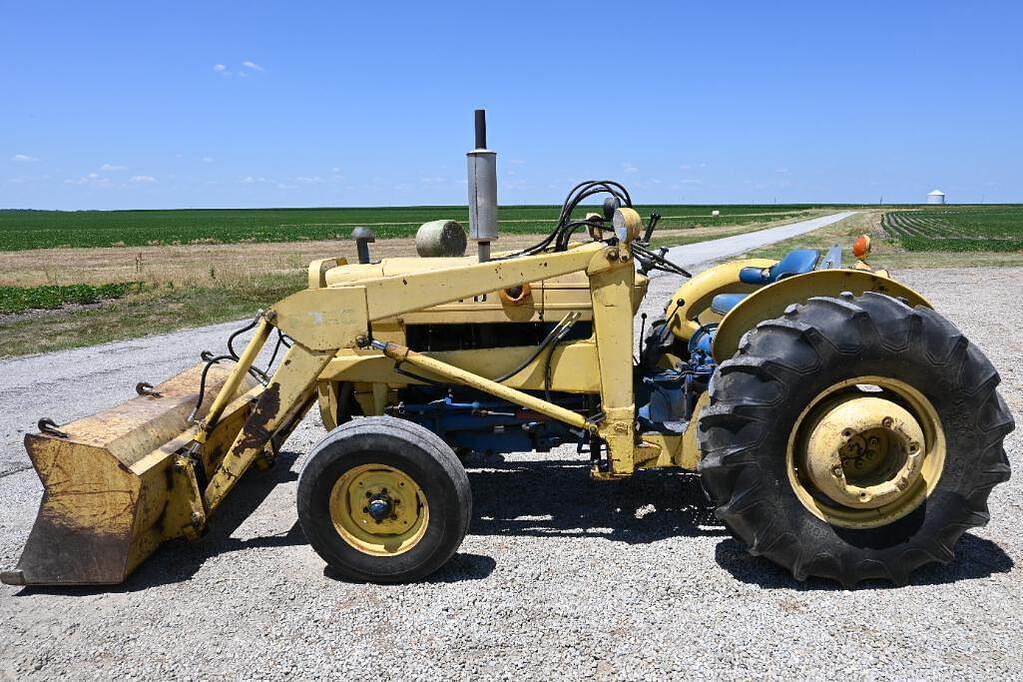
{"x":488,"y":426}
{"x":703,"y":339}
{"x":832,"y":259}
{"x":755,"y":275}
{"x":722,"y":303}
{"x":665,"y":398}
{"x":795,"y":263}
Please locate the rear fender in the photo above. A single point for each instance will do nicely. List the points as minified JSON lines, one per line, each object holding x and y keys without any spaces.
{"x":771,"y":301}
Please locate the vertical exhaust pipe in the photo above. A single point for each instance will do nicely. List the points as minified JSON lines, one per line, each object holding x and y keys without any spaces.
{"x":482,"y":190}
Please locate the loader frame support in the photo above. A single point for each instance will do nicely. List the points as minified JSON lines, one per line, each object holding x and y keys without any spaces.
{"x":323,"y":321}
{"x":612,"y":324}
{"x":282,"y":403}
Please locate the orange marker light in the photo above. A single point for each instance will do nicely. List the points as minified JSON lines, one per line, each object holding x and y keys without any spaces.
{"x":861,"y":247}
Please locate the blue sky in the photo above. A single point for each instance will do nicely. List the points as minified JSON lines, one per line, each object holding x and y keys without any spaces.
{"x":148,"y":105}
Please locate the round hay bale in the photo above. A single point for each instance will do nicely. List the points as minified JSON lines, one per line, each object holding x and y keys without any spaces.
{"x":440,"y":238}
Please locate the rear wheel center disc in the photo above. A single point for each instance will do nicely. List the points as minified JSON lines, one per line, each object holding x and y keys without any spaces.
{"x":864,"y":452}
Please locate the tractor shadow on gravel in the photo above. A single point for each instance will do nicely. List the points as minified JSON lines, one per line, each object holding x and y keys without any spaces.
{"x":976,"y":558}
{"x":557,"y":498}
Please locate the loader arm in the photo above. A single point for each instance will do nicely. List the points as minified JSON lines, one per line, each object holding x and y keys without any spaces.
{"x":326,"y":320}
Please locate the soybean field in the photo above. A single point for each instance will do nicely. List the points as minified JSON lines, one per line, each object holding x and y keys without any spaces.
{"x":27,"y":229}
{"x":959,"y":228}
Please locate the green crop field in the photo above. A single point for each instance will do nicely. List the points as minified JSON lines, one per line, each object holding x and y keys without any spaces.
{"x":20,"y":230}
{"x":50,"y":297}
{"x":958,"y":228}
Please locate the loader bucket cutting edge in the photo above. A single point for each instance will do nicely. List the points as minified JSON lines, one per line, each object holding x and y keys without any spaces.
{"x":111,"y":494}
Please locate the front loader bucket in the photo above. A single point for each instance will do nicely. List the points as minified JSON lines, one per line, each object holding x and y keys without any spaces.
{"x":111,"y":492}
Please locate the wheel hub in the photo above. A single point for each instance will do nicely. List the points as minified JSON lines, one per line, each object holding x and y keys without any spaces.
{"x":865,"y":452}
{"x":379,"y":509}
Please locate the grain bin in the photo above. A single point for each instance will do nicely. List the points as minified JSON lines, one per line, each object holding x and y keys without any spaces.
{"x":936,"y":197}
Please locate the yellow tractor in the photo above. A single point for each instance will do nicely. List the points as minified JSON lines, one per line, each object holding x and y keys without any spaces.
{"x":842,"y":427}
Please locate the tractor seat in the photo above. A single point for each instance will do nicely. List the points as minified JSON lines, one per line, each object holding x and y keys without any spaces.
{"x":794,"y":263}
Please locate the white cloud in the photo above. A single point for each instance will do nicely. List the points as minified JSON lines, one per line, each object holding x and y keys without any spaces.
{"x":23,"y":157}
{"x":309,"y":179}
{"x":629,"y":168}
{"x":109,"y":167}
{"x":222,"y":70}
{"x":252,"y":180}
{"x":208,"y":159}
{"x":91,"y":179}
{"x":252,"y":65}
{"x":143,"y":179}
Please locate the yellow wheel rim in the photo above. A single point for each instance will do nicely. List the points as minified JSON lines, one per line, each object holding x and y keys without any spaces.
{"x":866,"y":452}
{"x":379,"y":510}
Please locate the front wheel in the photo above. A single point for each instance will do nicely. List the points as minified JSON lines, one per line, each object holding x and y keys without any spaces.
{"x":854,"y":438}
{"x":384,"y":500}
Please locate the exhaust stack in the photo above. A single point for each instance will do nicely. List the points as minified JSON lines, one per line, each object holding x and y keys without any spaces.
{"x":482,"y":190}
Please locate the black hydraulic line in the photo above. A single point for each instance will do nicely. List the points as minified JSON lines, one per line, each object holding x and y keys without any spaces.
{"x":210,"y":361}
{"x":645,"y":254}
{"x":230,"y":339}
{"x":576,"y":195}
{"x":417,"y":377}
{"x":273,"y":356}
{"x":555,"y":333}
{"x":547,"y":371}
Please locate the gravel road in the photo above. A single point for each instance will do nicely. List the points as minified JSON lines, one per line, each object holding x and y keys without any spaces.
{"x":702,"y":252}
{"x":559,"y":575}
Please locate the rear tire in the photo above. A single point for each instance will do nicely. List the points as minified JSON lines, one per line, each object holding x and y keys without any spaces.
{"x":758,"y":398}
{"x":419,"y":522}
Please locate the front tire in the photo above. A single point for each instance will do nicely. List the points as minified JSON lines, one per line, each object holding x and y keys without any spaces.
{"x":384,"y":500}
{"x":802,"y":397}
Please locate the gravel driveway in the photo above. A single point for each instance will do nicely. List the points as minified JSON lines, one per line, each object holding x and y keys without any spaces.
{"x":559,"y":576}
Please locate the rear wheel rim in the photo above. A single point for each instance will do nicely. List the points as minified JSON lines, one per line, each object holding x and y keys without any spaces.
{"x":379,"y":510}
{"x":866,"y":452}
